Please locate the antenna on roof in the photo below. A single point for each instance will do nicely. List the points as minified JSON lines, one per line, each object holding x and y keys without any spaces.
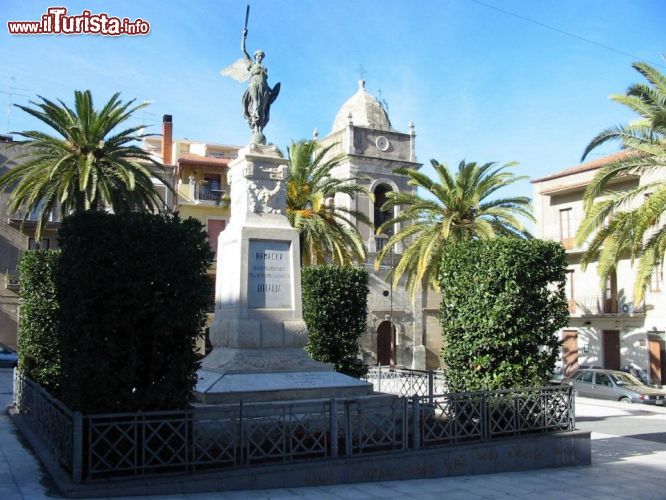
{"x":11,"y":92}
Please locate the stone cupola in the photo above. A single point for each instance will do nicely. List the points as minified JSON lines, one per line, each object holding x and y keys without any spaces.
{"x":365,"y":111}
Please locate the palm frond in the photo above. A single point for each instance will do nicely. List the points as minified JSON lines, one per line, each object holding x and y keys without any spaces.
{"x":89,"y":164}
{"x":459,"y":208}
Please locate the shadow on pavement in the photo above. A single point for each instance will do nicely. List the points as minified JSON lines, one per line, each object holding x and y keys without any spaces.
{"x":658,"y":437}
{"x":590,"y":419}
{"x":617,"y":449}
{"x":50,"y":488}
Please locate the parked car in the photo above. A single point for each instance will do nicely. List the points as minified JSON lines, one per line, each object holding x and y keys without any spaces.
{"x":8,"y":357}
{"x":615,"y":385}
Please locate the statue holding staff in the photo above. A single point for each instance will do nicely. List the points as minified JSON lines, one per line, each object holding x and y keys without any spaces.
{"x":259,"y":96}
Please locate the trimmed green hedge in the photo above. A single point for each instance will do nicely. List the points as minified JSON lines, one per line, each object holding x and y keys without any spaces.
{"x":38,"y":337}
{"x":502,"y":302}
{"x":335,"y":310}
{"x":133,"y":298}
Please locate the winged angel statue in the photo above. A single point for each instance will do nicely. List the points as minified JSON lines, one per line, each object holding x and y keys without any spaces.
{"x":259,"y":96}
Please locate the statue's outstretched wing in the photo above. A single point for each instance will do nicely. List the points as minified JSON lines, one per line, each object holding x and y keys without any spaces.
{"x":275,"y":91}
{"x":237,"y":70}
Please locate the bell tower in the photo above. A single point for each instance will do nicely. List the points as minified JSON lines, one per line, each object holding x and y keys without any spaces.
{"x":372,"y":149}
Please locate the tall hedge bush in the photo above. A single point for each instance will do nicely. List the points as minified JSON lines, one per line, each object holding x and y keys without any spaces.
{"x":335,"y":303}
{"x":38,"y":336}
{"x":502,"y":302}
{"x":133,"y":293}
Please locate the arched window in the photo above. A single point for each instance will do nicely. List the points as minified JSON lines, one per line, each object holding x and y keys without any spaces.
{"x":380,"y":199}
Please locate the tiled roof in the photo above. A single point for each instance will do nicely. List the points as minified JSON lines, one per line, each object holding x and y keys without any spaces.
{"x":203,"y":160}
{"x":584,"y":167}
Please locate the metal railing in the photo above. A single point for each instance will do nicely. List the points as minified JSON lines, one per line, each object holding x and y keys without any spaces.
{"x":240,"y":435}
{"x":460,"y":417}
{"x":406,"y":382}
{"x":380,"y":243}
{"x":195,"y":192}
{"x":12,"y":280}
{"x":50,"y":419}
{"x":588,"y":305}
{"x":208,"y":193}
{"x":101,"y":446}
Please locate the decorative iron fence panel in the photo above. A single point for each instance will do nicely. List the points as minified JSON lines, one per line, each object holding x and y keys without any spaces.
{"x":137,"y":443}
{"x":405,"y":382}
{"x":454,"y":418}
{"x":51,"y":420}
{"x":285,"y":432}
{"x":216,"y":434}
{"x":376,"y":425}
{"x":100,"y":446}
{"x":450,"y":419}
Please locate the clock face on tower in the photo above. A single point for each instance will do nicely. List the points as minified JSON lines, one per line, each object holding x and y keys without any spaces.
{"x":382,"y":143}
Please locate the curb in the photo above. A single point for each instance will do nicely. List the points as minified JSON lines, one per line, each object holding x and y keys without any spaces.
{"x":634,"y":407}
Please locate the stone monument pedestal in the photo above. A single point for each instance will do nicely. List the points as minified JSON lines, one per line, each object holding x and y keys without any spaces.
{"x":258,"y":333}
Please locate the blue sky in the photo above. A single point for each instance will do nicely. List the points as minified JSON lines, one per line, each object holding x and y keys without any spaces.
{"x":479,"y":83}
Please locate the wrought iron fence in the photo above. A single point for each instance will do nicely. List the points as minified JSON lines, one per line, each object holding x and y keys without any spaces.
{"x":459,"y":417}
{"x":406,"y":382}
{"x":51,"y":420}
{"x":100,"y":446}
{"x":241,"y":435}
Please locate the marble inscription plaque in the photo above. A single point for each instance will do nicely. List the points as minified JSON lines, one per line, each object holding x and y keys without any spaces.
{"x":269,"y":275}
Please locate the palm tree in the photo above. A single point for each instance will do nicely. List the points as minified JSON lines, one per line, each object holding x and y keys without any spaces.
{"x":617,"y":230}
{"x":457,"y":209}
{"x":326,"y":230}
{"x":86,"y":165}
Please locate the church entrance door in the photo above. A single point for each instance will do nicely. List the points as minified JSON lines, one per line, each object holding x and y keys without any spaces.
{"x":386,"y":343}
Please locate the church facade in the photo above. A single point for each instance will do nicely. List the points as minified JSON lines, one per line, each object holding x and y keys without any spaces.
{"x":401,"y":331}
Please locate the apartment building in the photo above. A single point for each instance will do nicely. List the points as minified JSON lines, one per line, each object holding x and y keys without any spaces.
{"x":17,"y":235}
{"x":607,"y":327}
{"x":198,"y":172}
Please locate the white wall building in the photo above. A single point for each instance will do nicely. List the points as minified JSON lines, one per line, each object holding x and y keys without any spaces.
{"x":607,"y":327}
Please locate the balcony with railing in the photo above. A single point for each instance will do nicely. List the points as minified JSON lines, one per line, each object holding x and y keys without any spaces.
{"x":11,"y":280}
{"x":567,"y":238}
{"x":598,"y":305}
{"x":202,"y":193}
{"x":27,"y":221}
{"x":380,"y":242}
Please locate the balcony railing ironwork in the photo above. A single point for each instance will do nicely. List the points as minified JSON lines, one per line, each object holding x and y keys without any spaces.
{"x":380,"y":243}
{"x":194,"y":193}
{"x":11,"y":280}
{"x":592,"y":305}
{"x":209,"y":193}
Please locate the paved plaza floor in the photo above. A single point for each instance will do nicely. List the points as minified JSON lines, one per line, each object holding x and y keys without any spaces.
{"x":622,"y":467}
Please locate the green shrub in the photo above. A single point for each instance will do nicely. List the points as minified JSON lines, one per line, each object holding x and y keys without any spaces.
{"x":502,"y":302}
{"x":133,"y":293}
{"x":38,"y":339}
{"x":335,"y":311}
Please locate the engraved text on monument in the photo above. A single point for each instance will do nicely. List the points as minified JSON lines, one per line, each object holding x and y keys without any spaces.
{"x":269,"y":275}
